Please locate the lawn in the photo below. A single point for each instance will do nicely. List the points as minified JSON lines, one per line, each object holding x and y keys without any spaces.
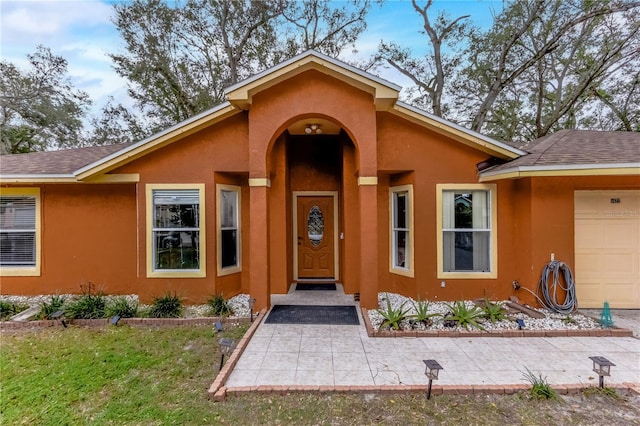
{"x":160,"y":375}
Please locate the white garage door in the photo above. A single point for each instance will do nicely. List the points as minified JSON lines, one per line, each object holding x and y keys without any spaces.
{"x":607,"y":244}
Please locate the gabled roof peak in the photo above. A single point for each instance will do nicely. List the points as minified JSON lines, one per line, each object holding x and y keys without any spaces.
{"x":385,"y":93}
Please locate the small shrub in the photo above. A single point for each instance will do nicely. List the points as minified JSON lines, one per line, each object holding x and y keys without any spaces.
{"x":9,"y":309}
{"x":55,"y":303}
{"x":219,"y":306}
{"x":166,"y":306}
{"x":493,"y":311}
{"x":89,"y":305}
{"x":540,"y":388}
{"x":393,"y":317}
{"x":123,"y":307}
{"x":422,"y":313}
{"x":464,"y":316}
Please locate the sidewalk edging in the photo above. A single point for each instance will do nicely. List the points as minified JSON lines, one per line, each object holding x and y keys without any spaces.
{"x":217,"y":391}
{"x":599,"y":332}
{"x":570,"y":389}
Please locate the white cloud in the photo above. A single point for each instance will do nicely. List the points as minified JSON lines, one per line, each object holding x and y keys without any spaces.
{"x":40,"y":21}
{"x":80,"y":31}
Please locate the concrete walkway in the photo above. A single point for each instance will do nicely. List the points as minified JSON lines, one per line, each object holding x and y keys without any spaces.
{"x":339,"y":356}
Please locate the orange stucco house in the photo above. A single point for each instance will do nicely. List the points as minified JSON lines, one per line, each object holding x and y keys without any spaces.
{"x":314,"y":170}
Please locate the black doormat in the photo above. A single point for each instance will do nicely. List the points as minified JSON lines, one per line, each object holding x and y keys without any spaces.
{"x":313,"y":314}
{"x":316,"y":286}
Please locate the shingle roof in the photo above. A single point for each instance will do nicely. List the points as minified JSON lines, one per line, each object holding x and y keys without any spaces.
{"x":63,"y":162}
{"x":578,"y":147}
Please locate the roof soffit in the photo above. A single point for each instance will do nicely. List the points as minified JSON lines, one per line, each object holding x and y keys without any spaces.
{"x":385,"y":94}
{"x":457,"y":133}
{"x":157,"y":141}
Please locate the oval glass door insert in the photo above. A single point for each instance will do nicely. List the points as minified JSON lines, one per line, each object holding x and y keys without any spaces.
{"x":315,"y":226}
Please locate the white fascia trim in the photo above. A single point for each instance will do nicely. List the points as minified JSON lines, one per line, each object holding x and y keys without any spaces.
{"x":559,"y":167}
{"x":320,"y":56}
{"x":158,"y":135}
{"x":453,"y":125}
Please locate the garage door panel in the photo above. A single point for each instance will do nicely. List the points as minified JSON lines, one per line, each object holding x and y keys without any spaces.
{"x":619,"y":295}
{"x":606,"y":234}
{"x":590,"y":295}
{"x":589,"y":262}
{"x":607,"y":248}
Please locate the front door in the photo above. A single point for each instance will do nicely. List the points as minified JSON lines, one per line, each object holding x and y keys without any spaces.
{"x":315,"y":236}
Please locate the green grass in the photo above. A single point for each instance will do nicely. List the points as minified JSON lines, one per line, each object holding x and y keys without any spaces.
{"x":160,"y":376}
{"x":111,"y":375}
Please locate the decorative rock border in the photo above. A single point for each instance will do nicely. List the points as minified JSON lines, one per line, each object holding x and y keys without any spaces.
{"x":598,"y":332}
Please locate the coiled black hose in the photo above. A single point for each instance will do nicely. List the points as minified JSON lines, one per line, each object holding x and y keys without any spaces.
{"x":549,"y":291}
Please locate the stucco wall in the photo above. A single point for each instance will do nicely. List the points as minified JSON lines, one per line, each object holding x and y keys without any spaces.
{"x":88,"y":236}
{"x":97,"y":232}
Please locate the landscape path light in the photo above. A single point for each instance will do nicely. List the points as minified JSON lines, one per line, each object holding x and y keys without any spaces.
{"x":252,"y":304}
{"x":432,"y":368}
{"x":226,"y":348}
{"x":602,"y":367}
{"x":59,"y":315}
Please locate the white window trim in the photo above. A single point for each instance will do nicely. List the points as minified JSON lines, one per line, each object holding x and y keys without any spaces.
{"x":410,"y":271}
{"x":151,"y":272}
{"x":493,"y":211}
{"x":26,"y":271}
{"x":237,"y":268}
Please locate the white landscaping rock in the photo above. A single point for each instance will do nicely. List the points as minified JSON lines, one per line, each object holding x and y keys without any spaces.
{"x":552,"y":320}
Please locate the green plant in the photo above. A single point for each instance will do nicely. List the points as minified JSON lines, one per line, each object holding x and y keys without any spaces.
{"x":9,"y":309}
{"x":219,"y":306}
{"x":123,"y":307}
{"x":493,"y":311}
{"x":89,"y":305}
{"x":166,"y":306}
{"x":568,"y":320}
{"x":465,"y":316}
{"x":392,"y":317}
{"x":55,"y":303}
{"x":422,"y":312}
{"x":540,"y":388}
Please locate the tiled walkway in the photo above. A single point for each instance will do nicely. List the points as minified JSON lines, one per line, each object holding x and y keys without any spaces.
{"x":312,"y":355}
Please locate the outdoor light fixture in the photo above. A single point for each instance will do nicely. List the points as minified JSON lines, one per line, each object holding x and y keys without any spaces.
{"x":226,"y":348}
{"x":520,"y":323}
{"x":59,"y":315}
{"x":218,"y":326}
{"x":252,"y":304}
{"x":602,"y":367}
{"x":432,"y":368}
{"x":115,"y":319}
{"x":313,"y":129}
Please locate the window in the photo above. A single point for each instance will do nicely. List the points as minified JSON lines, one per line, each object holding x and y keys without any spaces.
{"x":20,"y":231}
{"x":229,"y":240}
{"x":401,"y":259}
{"x":467,"y":243}
{"x":177,"y":237}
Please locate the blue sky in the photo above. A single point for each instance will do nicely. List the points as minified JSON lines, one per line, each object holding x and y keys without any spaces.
{"x":82,"y":32}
